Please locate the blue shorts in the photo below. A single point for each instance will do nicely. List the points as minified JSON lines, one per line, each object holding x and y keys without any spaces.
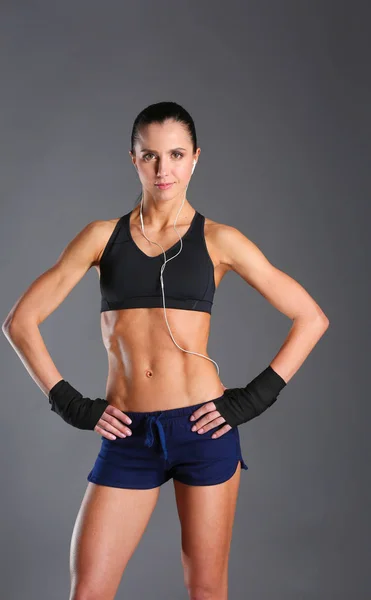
{"x":162,"y":446}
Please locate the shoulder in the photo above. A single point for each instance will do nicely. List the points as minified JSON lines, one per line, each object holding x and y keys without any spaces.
{"x":227,"y":241}
{"x":99,"y":232}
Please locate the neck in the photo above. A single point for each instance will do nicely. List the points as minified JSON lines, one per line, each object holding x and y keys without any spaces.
{"x":159,"y":215}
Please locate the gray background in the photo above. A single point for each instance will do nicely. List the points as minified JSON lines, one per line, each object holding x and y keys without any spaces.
{"x":280,"y":95}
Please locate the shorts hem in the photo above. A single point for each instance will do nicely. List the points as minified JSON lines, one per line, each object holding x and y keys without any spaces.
{"x":218,"y":481}
{"x":118,"y":484}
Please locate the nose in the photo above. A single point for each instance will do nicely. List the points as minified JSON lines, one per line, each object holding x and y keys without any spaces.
{"x":162,"y":168}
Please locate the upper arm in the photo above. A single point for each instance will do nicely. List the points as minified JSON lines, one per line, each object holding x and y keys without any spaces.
{"x":47,"y":292}
{"x":247,"y":260}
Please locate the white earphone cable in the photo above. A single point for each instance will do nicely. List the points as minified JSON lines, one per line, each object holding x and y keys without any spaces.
{"x":163,"y":268}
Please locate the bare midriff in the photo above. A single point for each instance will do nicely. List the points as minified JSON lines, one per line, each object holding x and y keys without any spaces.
{"x":146,"y":370}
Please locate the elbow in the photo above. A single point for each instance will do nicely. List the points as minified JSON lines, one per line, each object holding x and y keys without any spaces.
{"x":12,"y":328}
{"x":318,"y":321}
{"x":6,"y":327}
{"x":321,"y":324}
{"x":18,"y":322}
{"x":325,"y":322}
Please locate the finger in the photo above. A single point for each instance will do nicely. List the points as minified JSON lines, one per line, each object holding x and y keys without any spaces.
{"x":205,"y":408}
{"x":221,"y":431}
{"x":210,"y":416}
{"x":116,"y":412}
{"x":104,"y":433}
{"x":212,"y":424}
{"x":114,"y":425}
{"x":115,"y":417}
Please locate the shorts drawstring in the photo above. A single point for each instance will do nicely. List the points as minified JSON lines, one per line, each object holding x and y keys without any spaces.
{"x":151,"y":420}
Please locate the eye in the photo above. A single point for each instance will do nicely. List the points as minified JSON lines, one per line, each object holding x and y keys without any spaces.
{"x":151,"y":154}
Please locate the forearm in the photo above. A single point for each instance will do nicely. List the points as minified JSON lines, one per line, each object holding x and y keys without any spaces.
{"x":28,"y":343}
{"x":239,"y":405}
{"x":302,"y":337}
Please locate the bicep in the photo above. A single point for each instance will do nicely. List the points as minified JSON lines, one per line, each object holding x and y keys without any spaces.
{"x":49,"y":290}
{"x":282,"y":291}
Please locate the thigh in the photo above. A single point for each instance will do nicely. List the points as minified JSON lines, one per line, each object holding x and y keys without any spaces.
{"x":108,"y":528}
{"x":206,"y":516}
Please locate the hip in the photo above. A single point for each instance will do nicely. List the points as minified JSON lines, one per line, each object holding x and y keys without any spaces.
{"x":170,"y":432}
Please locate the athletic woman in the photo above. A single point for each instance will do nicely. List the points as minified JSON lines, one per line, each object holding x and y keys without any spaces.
{"x":159,"y":266}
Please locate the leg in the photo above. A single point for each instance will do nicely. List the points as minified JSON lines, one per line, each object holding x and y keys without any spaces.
{"x":108,"y":528}
{"x":206,"y":515}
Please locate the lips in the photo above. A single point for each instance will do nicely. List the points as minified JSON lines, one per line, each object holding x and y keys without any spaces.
{"x":163,"y":186}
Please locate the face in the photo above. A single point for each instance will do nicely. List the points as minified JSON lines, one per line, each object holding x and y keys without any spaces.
{"x":164,"y":154}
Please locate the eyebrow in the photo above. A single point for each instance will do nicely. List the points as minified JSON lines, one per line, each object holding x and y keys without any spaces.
{"x":149,"y":150}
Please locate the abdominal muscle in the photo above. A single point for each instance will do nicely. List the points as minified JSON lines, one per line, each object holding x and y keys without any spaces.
{"x":146,"y":370}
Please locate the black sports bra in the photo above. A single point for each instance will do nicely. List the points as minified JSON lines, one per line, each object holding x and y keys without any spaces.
{"x":131,"y":279}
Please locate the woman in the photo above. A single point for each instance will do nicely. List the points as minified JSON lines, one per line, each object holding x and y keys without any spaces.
{"x":157,"y":289}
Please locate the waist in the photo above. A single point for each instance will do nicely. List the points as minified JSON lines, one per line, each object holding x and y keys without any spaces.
{"x":157,"y":389}
{"x":146,"y":370}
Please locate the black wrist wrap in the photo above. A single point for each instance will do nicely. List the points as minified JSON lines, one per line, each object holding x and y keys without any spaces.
{"x":77,"y":411}
{"x":239,"y":405}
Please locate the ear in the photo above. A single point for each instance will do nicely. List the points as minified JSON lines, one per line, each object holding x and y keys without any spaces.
{"x":133,"y":159}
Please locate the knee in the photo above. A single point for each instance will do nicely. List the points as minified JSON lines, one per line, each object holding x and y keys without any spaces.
{"x":84,"y":592}
{"x":83,"y":595}
{"x":206,"y":593}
